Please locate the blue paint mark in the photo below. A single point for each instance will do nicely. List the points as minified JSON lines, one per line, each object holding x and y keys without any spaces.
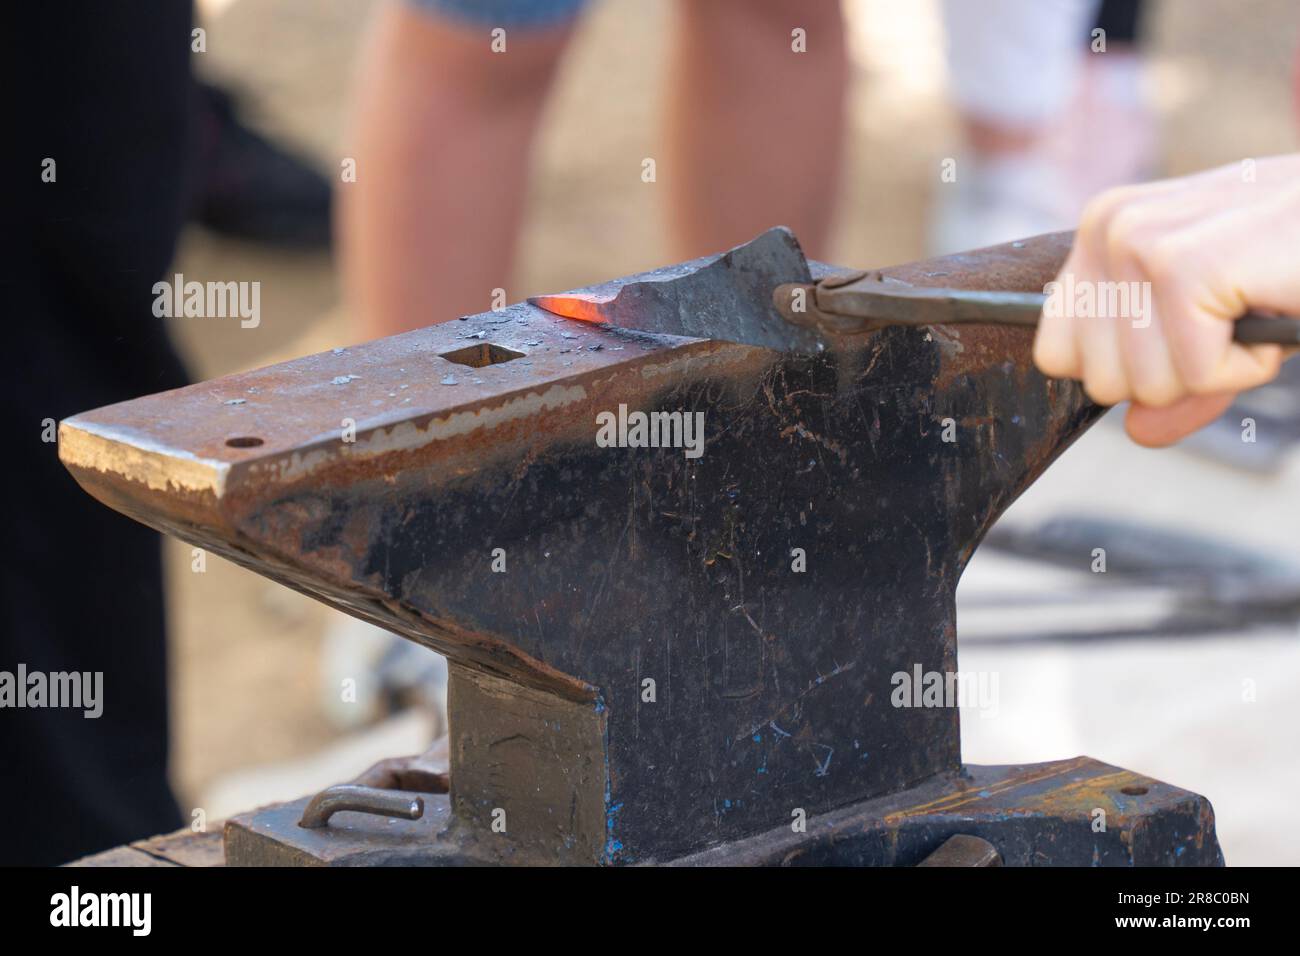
{"x":758,"y":738}
{"x":823,"y":767}
{"x":612,"y":845}
{"x":985,"y":794}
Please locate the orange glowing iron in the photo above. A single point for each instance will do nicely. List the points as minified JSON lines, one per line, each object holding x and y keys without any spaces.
{"x":727,"y":297}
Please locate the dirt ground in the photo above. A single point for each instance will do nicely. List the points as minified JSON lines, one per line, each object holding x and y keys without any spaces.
{"x":246,"y":652}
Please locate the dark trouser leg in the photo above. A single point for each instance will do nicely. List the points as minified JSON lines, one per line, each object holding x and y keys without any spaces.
{"x":103,"y":91}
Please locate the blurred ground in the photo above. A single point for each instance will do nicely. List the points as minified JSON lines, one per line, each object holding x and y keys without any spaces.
{"x":246,"y":652}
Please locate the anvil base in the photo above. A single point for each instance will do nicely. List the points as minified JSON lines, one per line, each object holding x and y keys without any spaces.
{"x":1077,"y":812}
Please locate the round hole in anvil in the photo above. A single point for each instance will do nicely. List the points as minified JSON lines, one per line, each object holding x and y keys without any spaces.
{"x":243,"y":441}
{"x":1133,"y":791}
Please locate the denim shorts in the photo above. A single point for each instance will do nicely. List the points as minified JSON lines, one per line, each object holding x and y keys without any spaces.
{"x":504,"y":13}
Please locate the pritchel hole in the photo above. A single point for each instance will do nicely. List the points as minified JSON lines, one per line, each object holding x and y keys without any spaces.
{"x":243,"y":441}
{"x":1133,"y":791}
{"x":480,"y":356}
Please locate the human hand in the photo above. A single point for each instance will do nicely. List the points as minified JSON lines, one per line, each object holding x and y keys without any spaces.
{"x":1208,"y":247}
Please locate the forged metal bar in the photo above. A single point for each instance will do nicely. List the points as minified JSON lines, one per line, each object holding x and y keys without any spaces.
{"x":726,"y":297}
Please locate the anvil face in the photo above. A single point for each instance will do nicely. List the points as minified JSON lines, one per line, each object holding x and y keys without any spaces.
{"x":653,"y":651}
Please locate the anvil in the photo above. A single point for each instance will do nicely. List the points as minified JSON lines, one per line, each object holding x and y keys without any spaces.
{"x":654,"y":657}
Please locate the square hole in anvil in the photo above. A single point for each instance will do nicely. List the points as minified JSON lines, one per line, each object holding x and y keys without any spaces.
{"x":482,"y":355}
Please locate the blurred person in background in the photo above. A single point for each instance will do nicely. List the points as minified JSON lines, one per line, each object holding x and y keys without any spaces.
{"x":1052,"y":112}
{"x":445,"y":121}
{"x":444,"y":128}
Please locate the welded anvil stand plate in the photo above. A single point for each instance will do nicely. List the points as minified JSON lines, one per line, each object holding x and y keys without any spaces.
{"x":683,"y":655}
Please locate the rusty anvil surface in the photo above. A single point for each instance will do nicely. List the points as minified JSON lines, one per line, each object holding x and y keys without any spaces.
{"x":650,"y":679}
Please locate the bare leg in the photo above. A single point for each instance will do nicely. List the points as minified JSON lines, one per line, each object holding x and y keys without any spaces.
{"x":755,"y":130}
{"x":441,"y":135}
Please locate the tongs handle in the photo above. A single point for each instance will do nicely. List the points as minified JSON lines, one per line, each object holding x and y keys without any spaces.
{"x":862,"y":302}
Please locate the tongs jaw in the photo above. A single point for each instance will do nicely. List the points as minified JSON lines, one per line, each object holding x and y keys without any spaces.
{"x":856,"y":302}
